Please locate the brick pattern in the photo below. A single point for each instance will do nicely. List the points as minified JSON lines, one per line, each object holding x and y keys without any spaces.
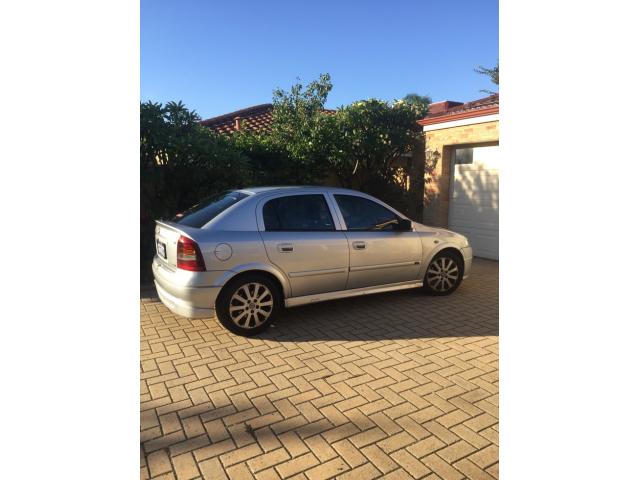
{"x":397,"y":385}
{"x":436,"y":192}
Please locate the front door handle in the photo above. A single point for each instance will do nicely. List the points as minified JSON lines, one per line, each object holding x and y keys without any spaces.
{"x":285,"y":247}
{"x":359,"y":245}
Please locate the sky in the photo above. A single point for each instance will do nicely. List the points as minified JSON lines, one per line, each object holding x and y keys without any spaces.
{"x":220,"y":56}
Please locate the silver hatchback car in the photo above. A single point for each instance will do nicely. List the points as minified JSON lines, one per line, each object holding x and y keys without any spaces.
{"x":245,"y":254}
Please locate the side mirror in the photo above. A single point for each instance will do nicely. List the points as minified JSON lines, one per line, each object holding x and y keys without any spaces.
{"x":403,"y":225}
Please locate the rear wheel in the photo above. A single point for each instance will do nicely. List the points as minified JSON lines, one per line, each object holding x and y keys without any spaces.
{"x":249,"y":304}
{"x":444,"y":274}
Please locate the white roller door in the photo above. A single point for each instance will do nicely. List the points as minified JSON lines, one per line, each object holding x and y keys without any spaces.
{"x":473,"y":206}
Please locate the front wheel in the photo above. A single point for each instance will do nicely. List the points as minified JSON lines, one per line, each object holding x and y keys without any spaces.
{"x":444,"y":274}
{"x":249,"y":304}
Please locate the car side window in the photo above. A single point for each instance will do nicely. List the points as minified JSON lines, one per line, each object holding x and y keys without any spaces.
{"x":363,"y":214}
{"x":297,"y":213}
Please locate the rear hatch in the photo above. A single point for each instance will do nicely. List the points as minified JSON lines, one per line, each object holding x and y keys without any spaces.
{"x":167,"y":243}
{"x":189,"y":223}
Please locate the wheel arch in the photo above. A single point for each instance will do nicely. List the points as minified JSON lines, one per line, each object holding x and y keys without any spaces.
{"x":262,"y":269}
{"x":447,"y":247}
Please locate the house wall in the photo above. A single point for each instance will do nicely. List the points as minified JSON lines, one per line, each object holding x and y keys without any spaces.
{"x":439,"y":146}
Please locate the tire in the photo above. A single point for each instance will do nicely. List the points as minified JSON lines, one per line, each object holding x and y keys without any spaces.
{"x":248,"y":304}
{"x":444,"y":274}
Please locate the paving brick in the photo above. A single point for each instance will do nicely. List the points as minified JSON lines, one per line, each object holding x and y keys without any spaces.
{"x":359,"y":419}
{"x":442,"y":468}
{"x":361,"y":398}
{"x":158,"y":463}
{"x":410,"y":463}
{"x":329,"y":469}
{"x":267,"y":439}
{"x":381,"y":460}
{"x":368,"y":437}
{"x":399,"y":474}
{"x":348,"y":452}
{"x":338,"y":433}
{"x":164,"y":442}
{"x":455,"y":452}
{"x":296,"y":465}
{"x":293,"y":444}
{"x":185,"y":467}
{"x":320,"y":448}
{"x":472,"y":471}
{"x":426,"y":446}
{"x":453,"y":418}
{"x":493,"y":470}
{"x":212,"y":469}
{"x":412,"y":427}
{"x":193,"y":426}
{"x":150,"y":434}
{"x":269,"y":474}
{"x":189,"y":445}
{"x":240,"y":454}
{"x":364,"y":472}
{"x":239,"y":472}
{"x":267,"y":460}
{"x":215,"y":449}
{"x":441,"y":432}
{"x":485,"y":457}
{"x":478,"y":441}
{"x":158,"y":390}
{"x":396,"y":442}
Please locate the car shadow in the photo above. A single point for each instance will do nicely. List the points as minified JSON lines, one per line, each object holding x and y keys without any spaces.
{"x":470,"y":311}
{"x":388,"y":316}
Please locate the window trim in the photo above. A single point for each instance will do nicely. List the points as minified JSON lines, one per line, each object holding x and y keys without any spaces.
{"x":263,"y":202}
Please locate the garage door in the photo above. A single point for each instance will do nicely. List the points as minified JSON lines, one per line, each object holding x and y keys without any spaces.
{"x":473,"y":207}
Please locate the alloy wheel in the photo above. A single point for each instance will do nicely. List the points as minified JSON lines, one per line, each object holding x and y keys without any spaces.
{"x":251,"y":305}
{"x":442,"y":274}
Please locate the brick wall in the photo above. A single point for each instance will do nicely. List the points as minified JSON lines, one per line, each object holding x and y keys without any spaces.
{"x":439,"y":145}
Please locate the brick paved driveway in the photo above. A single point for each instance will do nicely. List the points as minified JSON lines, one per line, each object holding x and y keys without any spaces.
{"x":397,"y":385}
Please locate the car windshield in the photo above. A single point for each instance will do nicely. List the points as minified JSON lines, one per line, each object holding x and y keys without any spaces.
{"x":208,"y":209}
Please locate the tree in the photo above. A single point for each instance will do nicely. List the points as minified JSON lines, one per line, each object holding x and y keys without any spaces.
{"x":269,"y":162}
{"x":300,"y":130}
{"x":181,"y":162}
{"x":420,"y":101}
{"x":492,"y":73}
{"x":371,"y":139}
{"x":365,"y":145}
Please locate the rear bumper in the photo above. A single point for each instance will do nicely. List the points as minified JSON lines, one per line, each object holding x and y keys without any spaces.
{"x":187,"y":301}
{"x":467,"y":255}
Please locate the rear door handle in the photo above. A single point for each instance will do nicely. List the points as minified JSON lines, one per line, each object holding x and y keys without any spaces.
{"x":285,"y":247}
{"x":359,"y":245}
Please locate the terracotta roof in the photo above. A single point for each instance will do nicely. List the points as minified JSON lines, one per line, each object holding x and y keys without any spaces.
{"x":257,"y":118}
{"x":254,"y":118}
{"x":441,"y":107}
{"x":448,"y":111}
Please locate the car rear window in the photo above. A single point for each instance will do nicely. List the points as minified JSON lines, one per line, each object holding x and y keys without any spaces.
{"x":208,"y":209}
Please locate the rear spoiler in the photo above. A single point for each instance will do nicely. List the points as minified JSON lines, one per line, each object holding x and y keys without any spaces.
{"x":169,"y":225}
{"x":190,"y":232}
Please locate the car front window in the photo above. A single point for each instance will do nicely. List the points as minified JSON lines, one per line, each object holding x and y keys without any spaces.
{"x":360,"y":213}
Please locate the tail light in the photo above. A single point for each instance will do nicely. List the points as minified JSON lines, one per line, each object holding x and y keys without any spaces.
{"x":189,"y":256}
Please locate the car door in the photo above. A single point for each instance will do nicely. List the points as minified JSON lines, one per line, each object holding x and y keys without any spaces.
{"x":300,"y":236}
{"x":378,"y":254}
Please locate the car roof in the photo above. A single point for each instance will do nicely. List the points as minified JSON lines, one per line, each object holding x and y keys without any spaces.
{"x":283,"y":188}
